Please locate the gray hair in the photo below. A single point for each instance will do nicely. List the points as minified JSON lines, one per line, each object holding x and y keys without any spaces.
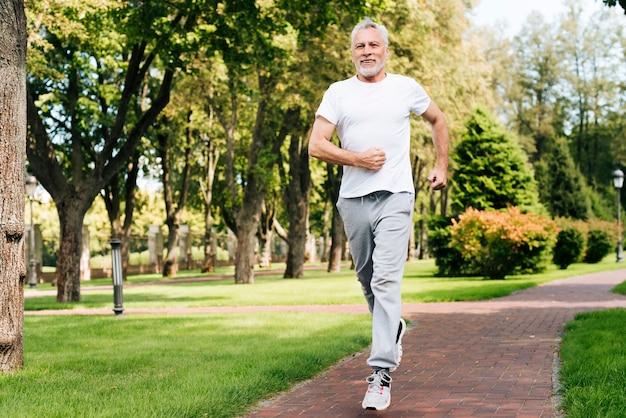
{"x":366,"y":23}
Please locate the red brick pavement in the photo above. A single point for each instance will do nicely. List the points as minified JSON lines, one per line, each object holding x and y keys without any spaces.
{"x":493,"y":358}
{"x":472,"y":359}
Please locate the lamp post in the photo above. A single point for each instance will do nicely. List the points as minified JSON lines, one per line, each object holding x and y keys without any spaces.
{"x":618,"y":182}
{"x":30,"y":186}
{"x":118,"y":296}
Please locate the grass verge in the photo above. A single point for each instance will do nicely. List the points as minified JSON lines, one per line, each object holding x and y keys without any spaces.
{"x":178,"y":366}
{"x":593,"y":373}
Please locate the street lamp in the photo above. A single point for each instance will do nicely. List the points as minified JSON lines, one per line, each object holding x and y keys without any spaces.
{"x":618,"y":182}
{"x":31,"y":185}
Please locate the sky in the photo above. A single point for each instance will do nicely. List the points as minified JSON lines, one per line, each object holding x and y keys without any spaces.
{"x":514,"y":12}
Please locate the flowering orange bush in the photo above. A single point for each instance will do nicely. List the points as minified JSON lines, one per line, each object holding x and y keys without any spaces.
{"x":495,"y":244}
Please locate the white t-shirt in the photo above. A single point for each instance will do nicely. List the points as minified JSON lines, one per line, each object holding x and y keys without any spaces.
{"x":375,"y":115}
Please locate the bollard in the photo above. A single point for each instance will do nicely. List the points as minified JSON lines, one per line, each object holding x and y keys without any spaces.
{"x":118,"y":296}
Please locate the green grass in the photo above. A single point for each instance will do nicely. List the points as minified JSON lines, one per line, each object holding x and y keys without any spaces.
{"x":593,"y":374}
{"x":217,"y":365}
{"x":171,"y":366}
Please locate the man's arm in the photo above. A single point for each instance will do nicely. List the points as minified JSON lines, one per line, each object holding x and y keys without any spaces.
{"x":438,"y":176}
{"x":321,"y":147}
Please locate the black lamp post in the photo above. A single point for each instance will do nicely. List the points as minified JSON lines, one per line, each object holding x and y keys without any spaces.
{"x":618,"y":182}
{"x":31,"y":186}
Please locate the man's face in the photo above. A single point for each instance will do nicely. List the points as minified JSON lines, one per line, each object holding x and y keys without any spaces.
{"x":369,"y":53}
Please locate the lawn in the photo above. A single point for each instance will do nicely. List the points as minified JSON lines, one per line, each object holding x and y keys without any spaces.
{"x":171,"y":366}
{"x":593,"y":374}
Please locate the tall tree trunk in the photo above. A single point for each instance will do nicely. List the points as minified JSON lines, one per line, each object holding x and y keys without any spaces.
{"x":246,"y":246}
{"x":338,"y":234}
{"x":266,"y":232}
{"x":422,"y":233}
{"x":297,"y":195}
{"x":266,"y":241}
{"x":248,"y":214}
{"x":12,"y":155}
{"x":170,"y":266}
{"x":326,"y":231}
{"x":296,"y":253}
{"x":71,"y":217}
{"x":212,"y":154}
{"x":173,"y":209}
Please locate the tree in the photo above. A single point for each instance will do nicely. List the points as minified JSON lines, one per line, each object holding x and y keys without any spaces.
{"x":83,"y":93}
{"x":297,"y":193}
{"x":537,"y":74}
{"x":122,"y":189}
{"x":563,"y":79}
{"x":12,"y":154}
{"x":257,"y":44}
{"x":593,"y":92}
{"x":175,"y":179}
{"x":562,"y":189}
{"x":492,"y":170}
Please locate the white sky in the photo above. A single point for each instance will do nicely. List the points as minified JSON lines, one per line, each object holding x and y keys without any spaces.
{"x":513,"y":13}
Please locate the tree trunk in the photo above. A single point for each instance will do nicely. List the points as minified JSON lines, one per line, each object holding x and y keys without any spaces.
{"x":71,"y":217}
{"x":326,"y":232}
{"x":338,"y":234}
{"x":422,"y":234}
{"x":210,"y":258}
{"x":266,"y":232}
{"x":296,"y":253}
{"x":12,"y":155}
{"x":246,"y":248}
{"x":296,"y":196}
{"x":212,"y":154}
{"x":248,"y":213}
{"x":173,"y":209}
{"x":267,"y":241}
{"x":338,"y":243}
{"x":170,"y":267}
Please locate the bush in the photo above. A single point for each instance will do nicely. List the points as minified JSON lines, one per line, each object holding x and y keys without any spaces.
{"x":598,"y":246}
{"x":569,"y":248}
{"x":448,"y":260}
{"x":497,"y":244}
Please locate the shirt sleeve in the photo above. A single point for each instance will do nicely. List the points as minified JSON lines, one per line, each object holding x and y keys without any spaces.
{"x":328,"y":107}
{"x":421,"y":100}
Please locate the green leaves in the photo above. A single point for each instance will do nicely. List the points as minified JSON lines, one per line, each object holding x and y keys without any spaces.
{"x":492,"y":170}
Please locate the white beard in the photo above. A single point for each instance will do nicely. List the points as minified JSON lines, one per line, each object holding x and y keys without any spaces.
{"x":369,"y":71}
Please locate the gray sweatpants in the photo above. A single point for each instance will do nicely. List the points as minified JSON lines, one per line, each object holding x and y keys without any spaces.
{"x":378,"y":227}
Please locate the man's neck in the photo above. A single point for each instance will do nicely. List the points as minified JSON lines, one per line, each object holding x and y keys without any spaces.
{"x":373,"y":79}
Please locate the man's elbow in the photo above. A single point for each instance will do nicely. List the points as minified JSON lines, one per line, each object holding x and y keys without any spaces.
{"x":314,"y":148}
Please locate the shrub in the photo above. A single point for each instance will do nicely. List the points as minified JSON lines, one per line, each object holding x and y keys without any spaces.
{"x":447,"y":259}
{"x":569,"y":247}
{"x":598,"y":246}
{"x":497,"y":244}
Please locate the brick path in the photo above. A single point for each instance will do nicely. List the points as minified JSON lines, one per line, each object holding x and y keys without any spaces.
{"x":469,"y":359}
{"x":494,"y":358}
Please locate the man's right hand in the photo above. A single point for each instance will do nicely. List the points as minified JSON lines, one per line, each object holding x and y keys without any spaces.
{"x":372,"y":158}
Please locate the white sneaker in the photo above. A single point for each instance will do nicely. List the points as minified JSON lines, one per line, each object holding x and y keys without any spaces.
{"x":401,"y":331}
{"x":378,"y":395}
